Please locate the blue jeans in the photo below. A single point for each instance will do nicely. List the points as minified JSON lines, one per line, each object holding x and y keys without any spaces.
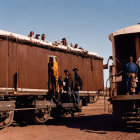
{"x":77,"y":96}
{"x":127,"y":84}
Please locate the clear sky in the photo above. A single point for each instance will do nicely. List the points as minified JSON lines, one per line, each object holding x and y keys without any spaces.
{"x":86,"y":22}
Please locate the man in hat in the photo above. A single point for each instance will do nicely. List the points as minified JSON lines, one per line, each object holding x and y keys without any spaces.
{"x":130,"y":75}
{"x":68,"y":83}
{"x":77,"y":85}
{"x":37,"y":36}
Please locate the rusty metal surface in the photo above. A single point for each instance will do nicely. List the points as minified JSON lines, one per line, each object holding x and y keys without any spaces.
{"x":3,"y":63}
{"x":12,"y":64}
{"x":125,"y":97}
{"x":44,"y":104}
{"x":5,"y":93}
{"x":30,"y":63}
{"x":7,"y":105}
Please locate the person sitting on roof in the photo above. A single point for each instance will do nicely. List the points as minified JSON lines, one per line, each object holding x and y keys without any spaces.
{"x":64,"y":42}
{"x":130,"y":75}
{"x":81,"y":48}
{"x":71,"y":45}
{"x":31,"y":34}
{"x":37,"y":36}
{"x":56,"y":43}
{"x":43,"y":37}
{"x":76,"y":46}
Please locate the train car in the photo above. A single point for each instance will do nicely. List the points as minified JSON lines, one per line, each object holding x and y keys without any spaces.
{"x":125,"y":43}
{"x":24,"y":77}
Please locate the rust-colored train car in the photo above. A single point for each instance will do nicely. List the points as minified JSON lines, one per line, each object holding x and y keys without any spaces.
{"x":24,"y":72}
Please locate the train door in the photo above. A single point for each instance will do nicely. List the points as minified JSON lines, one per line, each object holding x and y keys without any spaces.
{"x":53,"y":74}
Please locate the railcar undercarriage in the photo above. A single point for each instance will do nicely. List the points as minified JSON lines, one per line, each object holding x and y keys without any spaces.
{"x":33,"y":108}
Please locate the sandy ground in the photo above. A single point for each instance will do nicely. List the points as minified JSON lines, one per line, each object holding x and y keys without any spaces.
{"x":93,"y":124}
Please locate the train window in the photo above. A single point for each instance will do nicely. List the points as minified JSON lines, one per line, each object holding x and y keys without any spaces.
{"x":52,"y":73}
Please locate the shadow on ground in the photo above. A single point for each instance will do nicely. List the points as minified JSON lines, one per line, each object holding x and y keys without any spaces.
{"x":99,"y":124}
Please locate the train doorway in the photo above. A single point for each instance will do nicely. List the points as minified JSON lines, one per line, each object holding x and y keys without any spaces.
{"x":53,"y":75}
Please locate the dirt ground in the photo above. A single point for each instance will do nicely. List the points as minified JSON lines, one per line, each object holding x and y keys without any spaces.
{"x":93,"y":124}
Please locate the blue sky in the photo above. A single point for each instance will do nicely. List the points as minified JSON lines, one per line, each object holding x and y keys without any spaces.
{"x":86,"y":22}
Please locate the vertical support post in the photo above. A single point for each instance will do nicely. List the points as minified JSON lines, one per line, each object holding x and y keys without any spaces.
{"x":113,"y":85}
{"x":137,"y":47}
{"x":17,"y":66}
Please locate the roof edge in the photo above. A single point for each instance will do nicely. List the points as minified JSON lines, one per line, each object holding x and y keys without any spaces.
{"x":46,"y":43}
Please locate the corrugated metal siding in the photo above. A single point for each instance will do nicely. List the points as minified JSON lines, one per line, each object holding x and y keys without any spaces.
{"x":3,"y":63}
{"x":12,"y":63}
{"x":22,"y":65}
{"x":31,"y":65}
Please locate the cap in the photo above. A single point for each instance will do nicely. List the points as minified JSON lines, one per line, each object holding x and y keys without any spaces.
{"x":66,"y":70}
{"x":63,"y":38}
{"x":37,"y":34}
{"x":75,"y":69}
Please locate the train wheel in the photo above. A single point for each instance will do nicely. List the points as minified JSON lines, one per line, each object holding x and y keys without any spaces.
{"x":94,"y":98}
{"x":40,"y":116}
{"x":84,"y":102}
{"x":58,"y":113}
{"x":23,"y":116}
{"x":6,"y":119}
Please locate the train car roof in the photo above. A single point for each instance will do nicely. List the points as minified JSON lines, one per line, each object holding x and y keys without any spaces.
{"x":127,"y":30}
{"x":46,"y":43}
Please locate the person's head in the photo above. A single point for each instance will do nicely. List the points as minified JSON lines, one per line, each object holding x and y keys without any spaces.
{"x":43,"y":37}
{"x":37,"y":36}
{"x":130,"y":59}
{"x":50,"y":60}
{"x":76,"y":46}
{"x":64,"y":42}
{"x":31,"y":34}
{"x":66,"y":72}
{"x":75,"y":70}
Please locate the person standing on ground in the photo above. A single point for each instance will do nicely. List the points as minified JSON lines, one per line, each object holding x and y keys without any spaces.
{"x":77,"y":85}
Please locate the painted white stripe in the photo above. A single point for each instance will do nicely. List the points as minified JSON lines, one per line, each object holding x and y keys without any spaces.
{"x":22,"y":89}
{"x":6,"y":89}
{"x":28,"y":89}
{"x":85,"y":92}
{"x":36,"y":90}
{"x":88,"y":91}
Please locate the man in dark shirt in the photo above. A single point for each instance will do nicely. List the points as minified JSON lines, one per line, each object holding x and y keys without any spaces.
{"x":51,"y":77}
{"x":77,"y":85}
{"x":130,"y":70}
{"x":68,"y":83}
